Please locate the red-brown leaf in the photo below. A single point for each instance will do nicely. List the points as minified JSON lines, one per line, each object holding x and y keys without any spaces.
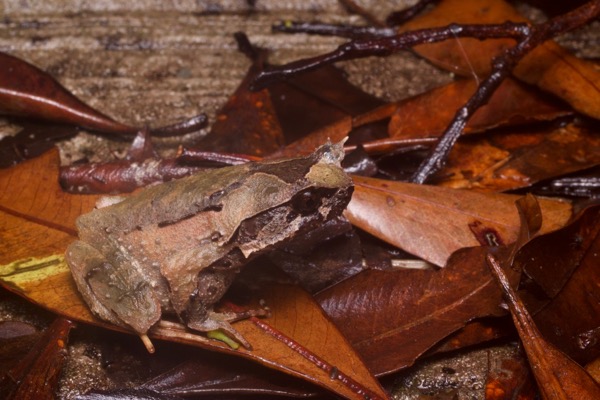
{"x":27,"y":91}
{"x":247,"y":123}
{"x":563,"y":266}
{"x":393,"y":317}
{"x":36,"y":375}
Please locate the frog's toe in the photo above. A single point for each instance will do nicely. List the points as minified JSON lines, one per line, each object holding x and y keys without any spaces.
{"x":223,"y":321}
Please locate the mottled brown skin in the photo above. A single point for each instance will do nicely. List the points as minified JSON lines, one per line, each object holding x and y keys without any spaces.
{"x":176,"y":247}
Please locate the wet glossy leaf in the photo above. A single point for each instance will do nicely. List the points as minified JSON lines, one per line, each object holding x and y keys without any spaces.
{"x":48,"y":112}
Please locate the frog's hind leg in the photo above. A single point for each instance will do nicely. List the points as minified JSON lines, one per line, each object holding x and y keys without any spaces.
{"x":223,"y":320}
{"x":199,"y":314}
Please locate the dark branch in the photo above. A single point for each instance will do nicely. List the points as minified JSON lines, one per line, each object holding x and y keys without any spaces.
{"x":384,"y":46}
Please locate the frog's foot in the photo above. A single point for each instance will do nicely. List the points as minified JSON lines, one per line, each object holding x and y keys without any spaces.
{"x":222,"y":321}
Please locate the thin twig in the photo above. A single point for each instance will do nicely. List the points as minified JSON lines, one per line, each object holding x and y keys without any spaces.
{"x":384,"y":46}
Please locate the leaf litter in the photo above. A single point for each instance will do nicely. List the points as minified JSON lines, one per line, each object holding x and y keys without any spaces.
{"x":365,"y":341}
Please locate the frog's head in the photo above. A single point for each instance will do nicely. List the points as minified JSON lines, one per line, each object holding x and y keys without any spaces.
{"x":287,"y":198}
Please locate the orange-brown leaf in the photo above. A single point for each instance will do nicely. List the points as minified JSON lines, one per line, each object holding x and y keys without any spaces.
{"x":329,"y":360}
{"x":514,"y":160}
{"x":428,"y":114}
{"x":593,"y":368}
{"x":297,"y":338}
{"x":334,"y":132}
{"x":433,"y":222}
{"x":36,"y":218}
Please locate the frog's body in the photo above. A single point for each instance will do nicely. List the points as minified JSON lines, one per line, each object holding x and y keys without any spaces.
{"x":176,"y":247}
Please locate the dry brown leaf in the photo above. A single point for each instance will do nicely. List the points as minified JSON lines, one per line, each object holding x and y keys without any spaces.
{"x":330,"y":361}
{"x":433,"y":222}
{"x":593,"y":369}
{"x":36,"y":219}
{"x":297,"y":338}
{"x":335,"y":132}
{"x":563,"y":275}
{"x":247,"y":123}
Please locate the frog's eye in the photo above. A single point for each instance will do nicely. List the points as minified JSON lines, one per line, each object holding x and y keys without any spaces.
{"x":306,"y":202}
